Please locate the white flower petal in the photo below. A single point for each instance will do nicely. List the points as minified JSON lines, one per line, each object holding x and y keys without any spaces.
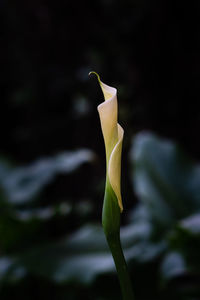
{"x":113,"y":138}
{"x":114,"y":167}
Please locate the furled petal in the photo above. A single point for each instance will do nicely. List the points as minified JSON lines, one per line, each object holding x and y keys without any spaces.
{"x":108,"y":117}
{"x":113,"y":137}
{"x":114,"y":167}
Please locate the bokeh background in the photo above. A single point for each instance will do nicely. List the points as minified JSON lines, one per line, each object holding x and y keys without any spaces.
{"x":52,"y":161}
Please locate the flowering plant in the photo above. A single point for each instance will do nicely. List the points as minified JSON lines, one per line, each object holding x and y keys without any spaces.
{"x":113,"y":137}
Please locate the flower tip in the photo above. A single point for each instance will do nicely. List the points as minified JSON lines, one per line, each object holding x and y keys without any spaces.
{"x":95,"y":73}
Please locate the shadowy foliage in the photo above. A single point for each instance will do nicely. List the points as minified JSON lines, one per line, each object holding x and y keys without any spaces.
{"x":162,"y":233}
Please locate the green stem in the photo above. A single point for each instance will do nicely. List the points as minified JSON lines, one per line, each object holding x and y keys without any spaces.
{"x":111,"y":226}
{"x":121,"y":267}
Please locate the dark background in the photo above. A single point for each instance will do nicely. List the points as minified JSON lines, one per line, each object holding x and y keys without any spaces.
{"x":148,"y":50}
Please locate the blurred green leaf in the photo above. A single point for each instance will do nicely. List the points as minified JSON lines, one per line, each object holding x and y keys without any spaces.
{"x":81,"y":257}
{"x":165,"y":180}
{"x":185,"y":238}
{"x":173,"y":265}
{"x":191,"y":224}
{"x":167,"y":183}
{"x":23,"y":183}
{"x":9,"y":271}
{"x":85,"y":255}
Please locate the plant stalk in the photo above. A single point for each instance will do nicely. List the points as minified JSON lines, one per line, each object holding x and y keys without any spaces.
{"x":111,"y":226}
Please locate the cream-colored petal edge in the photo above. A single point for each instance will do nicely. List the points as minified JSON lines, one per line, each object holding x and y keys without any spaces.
{"x":108,"y":91}
{"x":108,"y":117}
{"x":114,"y":162}
{"x":114,"y":167}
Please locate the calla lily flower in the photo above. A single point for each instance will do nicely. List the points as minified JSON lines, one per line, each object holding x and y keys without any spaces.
{"x":113,"y":137}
